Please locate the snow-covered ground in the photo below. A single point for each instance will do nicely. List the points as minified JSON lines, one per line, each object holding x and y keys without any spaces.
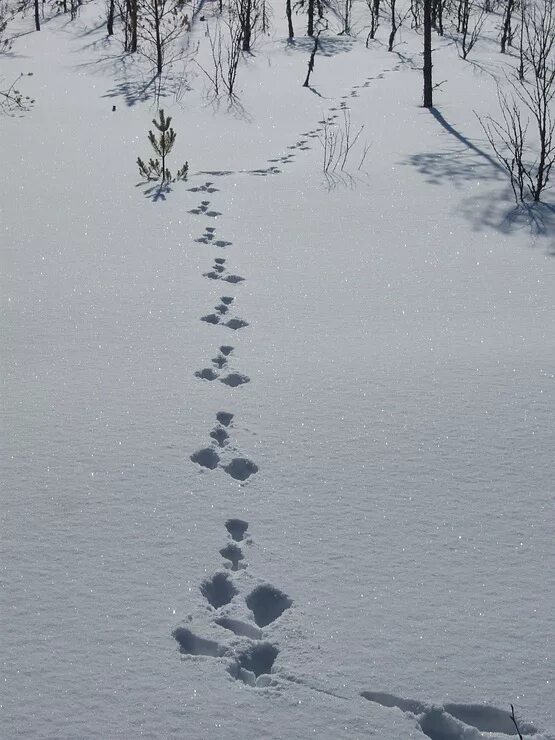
{"x":393,"y":409}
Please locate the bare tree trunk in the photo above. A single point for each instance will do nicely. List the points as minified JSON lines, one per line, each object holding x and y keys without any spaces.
{"x":110,"y":19}
{"x":393,"y":31}
{"x":289,"y":19}
{"x":247,"y":4}
{"x":428,"y":88}
{"x":159,"y":50}
{"x":306,"y":83}
{"x":310,"y":29}
{"x":37,"y":16}
{"x":506,"y":33}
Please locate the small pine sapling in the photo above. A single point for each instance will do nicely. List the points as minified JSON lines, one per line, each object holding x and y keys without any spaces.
{"x":156,"y":169}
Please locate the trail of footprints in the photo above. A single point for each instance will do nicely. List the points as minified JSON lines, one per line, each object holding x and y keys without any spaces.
{"x":245,"y":653}
{"x":210,"y":458}
{"x":452,"y":721}
{"x":248,"y":656}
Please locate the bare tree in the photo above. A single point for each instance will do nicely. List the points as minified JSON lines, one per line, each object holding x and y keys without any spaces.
{"x":527,"y":152}
{"x":507,"y":29}
{"x":312,"y":57}
{"x":222,"y":75}
{"x":374,"y":8}
{"x":427,"y":68}
{"x":161,"y":24}
{"x":289,"y":13}
{"x":249,"y":15}
{"x":110,"y":12}
{"x":397,"y":19}
{"x":12,"y":100}
{"x":471,"y":20}
{"x":310,"y":18}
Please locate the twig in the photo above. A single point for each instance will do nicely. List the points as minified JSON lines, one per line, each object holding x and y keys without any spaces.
{"x":515,"y":722}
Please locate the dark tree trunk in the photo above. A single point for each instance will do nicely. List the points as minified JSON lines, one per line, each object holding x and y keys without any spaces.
{"x":428,"y":54}
{"x":289,"y":19}
{"x":110,"y":19}
{"x":306,"y":83}
{"x":159,"y":50}
{"x":506,"y":33}
{"x":131,"y":26}
{"x":310,"y":29}
{"x":37,"y":16}
{"x":246,"y":22}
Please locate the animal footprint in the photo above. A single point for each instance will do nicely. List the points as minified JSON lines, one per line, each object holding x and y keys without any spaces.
{"x":206,"y":188}
{"x":218,"y":590}
{"x":224,"y":418}
{"x":209,"y":236}
{"x":221,"y":309}
{"x":202,"y":210}
{"x":240,"y":468}
{"x":241,"y":629}
{"x":206,"y":458}
{"x":233,"y":553}
{"x":235,"y":379}
{"x":267,"y":603}
{"x":190,"y":644}
{"x":254,"y":663}
{"x":237,"y":528}
{"x":250,"y":659}
{"x":218,"y":272}
{"x":453,"y":721}
{"x":263,"y":172}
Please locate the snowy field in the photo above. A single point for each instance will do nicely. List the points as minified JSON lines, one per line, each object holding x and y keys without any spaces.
{"x":373,"y":402}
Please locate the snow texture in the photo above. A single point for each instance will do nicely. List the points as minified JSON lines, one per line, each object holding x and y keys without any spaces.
{"x":353,"y":503}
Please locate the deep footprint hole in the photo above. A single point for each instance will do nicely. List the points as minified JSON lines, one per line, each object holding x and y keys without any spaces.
{"x":240,"y":468}
{"x":233,"y":553}
{"x":237,"y":528}
{"x":257,"y":660}
{"x":267,"y":603}
{"x":218,"y":590}
{"x":190,"y":644}
{"x":224,"y":417}
{"x":207,"y":458}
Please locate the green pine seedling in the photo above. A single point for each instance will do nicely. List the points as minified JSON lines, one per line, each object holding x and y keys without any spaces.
{"x":155,"y":169}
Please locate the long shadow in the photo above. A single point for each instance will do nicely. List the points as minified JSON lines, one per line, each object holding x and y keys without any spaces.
{"x":469,"y":162}
{"x":464,"y":140}
{"x":328,"y":46}
{"x":136,"y":91}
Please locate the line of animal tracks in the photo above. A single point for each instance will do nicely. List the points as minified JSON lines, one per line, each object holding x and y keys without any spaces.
{"x":243,"y":611}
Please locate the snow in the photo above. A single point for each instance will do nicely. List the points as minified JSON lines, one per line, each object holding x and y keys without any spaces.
{"x":390,"y":379}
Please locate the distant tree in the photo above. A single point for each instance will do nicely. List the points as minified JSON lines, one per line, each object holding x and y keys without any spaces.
{"x":156,"y":169}
{"x":288,"y":12}
{"x":374,"y":8}
{"x":110,"y":11}
{"x":249,"y":15}
{"x":507,"y":31}
{"x":471,"y":19}
{"x":310,"y":18}
{"x":397,"y":19}
{"x":427,"y":69}
{"x":161,"y":22}
{"x":5,"y":16}
{"x":527,"y":152}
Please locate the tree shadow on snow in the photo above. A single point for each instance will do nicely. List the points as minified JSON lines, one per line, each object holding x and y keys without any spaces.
{"x":137,"y":91}
{"x":155,"y":192}
{"x":468,"y":162}
{"x":328,"y":46}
